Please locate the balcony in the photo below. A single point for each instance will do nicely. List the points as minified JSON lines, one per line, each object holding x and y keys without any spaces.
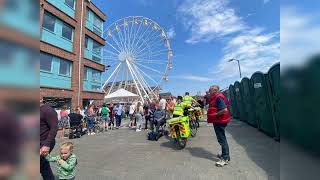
{"x":56,"y":40}
{"x":61,"y":5}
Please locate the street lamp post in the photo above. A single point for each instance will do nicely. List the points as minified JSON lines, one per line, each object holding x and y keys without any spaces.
{"x":238,"y":65}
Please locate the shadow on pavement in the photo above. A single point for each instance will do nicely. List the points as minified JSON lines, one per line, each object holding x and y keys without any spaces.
{"x":261,"y":149}
{"x":202,"y":153}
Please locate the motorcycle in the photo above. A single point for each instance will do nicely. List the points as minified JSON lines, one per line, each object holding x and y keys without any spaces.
{"x":181,"y":128}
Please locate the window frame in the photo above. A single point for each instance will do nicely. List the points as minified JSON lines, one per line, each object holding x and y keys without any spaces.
{"x":43,"y":70}
{"x":73,"y":7}
{"x":68,"y":68}
{"x":94,"y":72}
{"x":54,"y":19}
{"x":85,"y":74}
{"x":72,"y":31}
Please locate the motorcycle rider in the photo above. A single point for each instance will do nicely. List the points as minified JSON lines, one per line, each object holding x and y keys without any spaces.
{"x":179,"y":107}
{"x":187,"y":99}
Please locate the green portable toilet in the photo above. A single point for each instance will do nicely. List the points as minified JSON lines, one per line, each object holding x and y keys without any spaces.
{"x":247,"y":93}
{"x":262,"y":103}
{"x":232,"y":103}
{"x":239,"y":101}
{"x":274,"y":90}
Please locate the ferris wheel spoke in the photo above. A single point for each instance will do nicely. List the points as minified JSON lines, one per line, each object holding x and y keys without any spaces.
{"x":122,"y":40}
{"x":135,"y":35}
{"x":154,"y":70}
{"x":147,"y":46}
{"x":118,"y":43}
{"x":142,"y":36}
{"x":143,"y":80}
{"x":144,"y":42}
{"x":112,"y":47}
{"x":110,"y":52}
{"x":148,"y":61}
{"x":149,"y":77}
{"x":134,"y":80}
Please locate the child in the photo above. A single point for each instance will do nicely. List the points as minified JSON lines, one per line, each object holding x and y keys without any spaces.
{"x":66,"y":162}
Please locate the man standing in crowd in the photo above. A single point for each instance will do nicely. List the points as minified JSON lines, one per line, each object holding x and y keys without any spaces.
{"x":118,"y":113}
{"x":218,"y":114}
{"x":48,"y":132}
{"x":131,"y":115}
{"x":163,"y":103}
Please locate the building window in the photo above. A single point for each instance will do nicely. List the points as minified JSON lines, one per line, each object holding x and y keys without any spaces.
{"x":97,"y":59}
{"x":96,"y":48}
{"x":64,"y":68}
{"x":67,"y":31}
{"x":85,"y":76}
{"x":45,"y":62}
{"x":70,"y":3}
{"x":95,"y":87}
{"x":97,"y":22}
{"x":86,"y":39}
{"x":96,"y":76}
{"x":48,"y":22}
{"x":88,"y":13}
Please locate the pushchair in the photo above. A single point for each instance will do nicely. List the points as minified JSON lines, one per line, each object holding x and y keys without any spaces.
{"x":75,"y":129}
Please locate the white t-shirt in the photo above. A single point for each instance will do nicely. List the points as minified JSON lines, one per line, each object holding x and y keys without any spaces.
{"x":132,"y":108}
{"x":163,"y":103}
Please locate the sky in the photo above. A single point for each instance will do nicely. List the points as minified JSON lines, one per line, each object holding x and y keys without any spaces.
{"x":205,"y":34}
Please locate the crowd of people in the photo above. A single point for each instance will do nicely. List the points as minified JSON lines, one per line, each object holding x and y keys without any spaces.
{"x":154,"y":112}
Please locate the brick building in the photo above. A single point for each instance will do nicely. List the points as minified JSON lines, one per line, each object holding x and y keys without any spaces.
{"x":71,"y":45}
{"x":19,"y":47}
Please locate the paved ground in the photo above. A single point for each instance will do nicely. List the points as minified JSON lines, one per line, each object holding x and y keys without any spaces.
{"x":125,"y":154}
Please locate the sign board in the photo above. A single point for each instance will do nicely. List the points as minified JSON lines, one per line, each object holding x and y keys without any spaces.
{"x":257,"y":85}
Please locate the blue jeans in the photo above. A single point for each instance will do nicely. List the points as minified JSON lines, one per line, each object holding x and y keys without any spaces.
{"x":118,"y":120}
{"x":222,"y":139}
{"x":90,"y":121}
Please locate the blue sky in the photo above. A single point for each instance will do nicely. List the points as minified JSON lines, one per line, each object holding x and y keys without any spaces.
{"x":206,"y":33}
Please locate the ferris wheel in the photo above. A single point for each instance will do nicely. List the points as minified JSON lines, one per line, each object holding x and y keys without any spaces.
{"x":139,"y":55}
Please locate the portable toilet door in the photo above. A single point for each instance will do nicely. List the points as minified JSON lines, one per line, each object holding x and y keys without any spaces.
{"x":274,"y":90}
{"x":239,"y":101}
{"x":264,"y":113}
{"x":235,"y":111}
{"x":247,"y":92}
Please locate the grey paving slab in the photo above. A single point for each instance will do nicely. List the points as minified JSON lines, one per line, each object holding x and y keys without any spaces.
{"x":125,"y":154}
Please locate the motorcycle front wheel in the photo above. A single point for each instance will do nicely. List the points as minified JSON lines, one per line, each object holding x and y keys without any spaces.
{"x":181,"y":142}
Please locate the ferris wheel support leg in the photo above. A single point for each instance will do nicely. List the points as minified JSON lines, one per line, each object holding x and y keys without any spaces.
{"x":135,"y":82}
{"x":110,"y":77}
{"x":139,"y":80}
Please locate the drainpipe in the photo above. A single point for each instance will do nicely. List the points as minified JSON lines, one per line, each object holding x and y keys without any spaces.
{"x":80,"y":52}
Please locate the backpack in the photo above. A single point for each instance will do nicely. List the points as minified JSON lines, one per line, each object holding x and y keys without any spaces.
{"x":104,"y":111}
{"x":153,"y":136}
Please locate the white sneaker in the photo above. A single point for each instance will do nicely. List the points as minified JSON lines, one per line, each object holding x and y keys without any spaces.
{"x":89,"y":134}
{"x":93,"y":133}
{"x":138,"y":130}
{"x":222,"y":163}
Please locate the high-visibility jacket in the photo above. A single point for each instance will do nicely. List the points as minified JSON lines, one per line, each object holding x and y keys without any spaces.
{"x":187,"y":100}
{"x":178,"y":109}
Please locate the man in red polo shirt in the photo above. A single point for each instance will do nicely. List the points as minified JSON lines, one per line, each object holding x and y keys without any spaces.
{"x":218,"y":114}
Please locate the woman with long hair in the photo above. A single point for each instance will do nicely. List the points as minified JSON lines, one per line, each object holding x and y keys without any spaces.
{"x":90,"y":119}
{"x":139,"y":115}
{"x":63,"y":121}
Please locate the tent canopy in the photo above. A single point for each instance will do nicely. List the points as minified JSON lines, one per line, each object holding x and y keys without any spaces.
{"x":121,"y":93}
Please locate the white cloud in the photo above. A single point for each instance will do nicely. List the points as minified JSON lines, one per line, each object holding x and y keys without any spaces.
{"x":171,"y":33}
{"x":298,"y":33}
{"x":209,"y":19}
{"x":266,"y":1}
{"x":193,"y":78}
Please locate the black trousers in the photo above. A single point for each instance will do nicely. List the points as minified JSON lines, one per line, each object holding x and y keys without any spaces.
{"x":45,"y":169}
{"x":222,"y":139}
{"x":147,"y":118}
